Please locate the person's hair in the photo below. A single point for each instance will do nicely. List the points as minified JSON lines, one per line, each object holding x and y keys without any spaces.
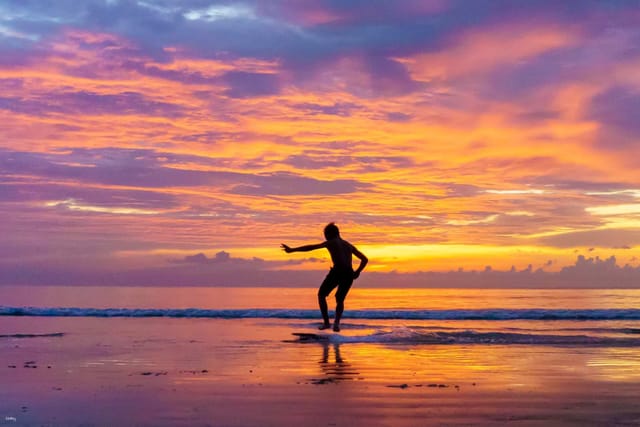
{"x":331,"y":231}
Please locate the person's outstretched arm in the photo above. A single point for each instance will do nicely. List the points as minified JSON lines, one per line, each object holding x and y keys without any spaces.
{"x":305,"y":248}
{"x":363,"y":262}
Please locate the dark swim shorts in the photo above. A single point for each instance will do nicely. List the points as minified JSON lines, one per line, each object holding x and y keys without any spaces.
{"x":343,"y":279}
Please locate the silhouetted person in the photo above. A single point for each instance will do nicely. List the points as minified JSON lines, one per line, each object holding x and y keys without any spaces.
{"x":341,"y":274}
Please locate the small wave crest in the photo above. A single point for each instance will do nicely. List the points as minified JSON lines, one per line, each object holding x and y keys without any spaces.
{"x":17,"y":336}
{"x":411,"y":336}
{"x":256,"y":313}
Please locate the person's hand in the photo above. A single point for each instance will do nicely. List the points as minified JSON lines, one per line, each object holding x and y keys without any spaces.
{"x":286,"y":248}
{"x":356,"y":274}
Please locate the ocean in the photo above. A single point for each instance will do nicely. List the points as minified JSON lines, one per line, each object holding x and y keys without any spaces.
{"x":404,"y":316}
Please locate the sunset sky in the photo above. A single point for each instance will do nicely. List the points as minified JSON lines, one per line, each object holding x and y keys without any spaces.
{"x":159,"y":141}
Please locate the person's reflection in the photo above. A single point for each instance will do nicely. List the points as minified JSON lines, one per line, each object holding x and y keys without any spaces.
{"x":334,"y":371}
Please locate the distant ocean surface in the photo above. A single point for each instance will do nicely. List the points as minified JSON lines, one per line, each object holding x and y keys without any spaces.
{"x":576,"y":317}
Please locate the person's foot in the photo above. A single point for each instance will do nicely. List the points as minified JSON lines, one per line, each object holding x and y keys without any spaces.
{"x":324,"y":326}
{"x":336,"y":328}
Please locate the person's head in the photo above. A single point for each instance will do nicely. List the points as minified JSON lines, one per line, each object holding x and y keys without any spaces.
{"x":331,"y":231}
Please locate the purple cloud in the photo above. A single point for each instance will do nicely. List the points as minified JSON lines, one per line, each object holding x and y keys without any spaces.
{"x":617,"y":110}
{"x":287,"y":184}
{"x":341,"y":109}
{"x":608,"y":238}
{"x":201,"y":258}
{"x":148,"y":168}
{"x":536,"y":117}
{"x":390,"y":77}
{"x":225,"y":258}
{"x":396,"y":116}
{"x":247,"y":85}
{"x":321,"y":159}
{"x":279,"y":29}
{"x":517,"y":80}
{"x":38,"y":192}
{"x":199,"y":270}
{"x":461,"y":190}
{"x":125,"y":103}
{"x":184,"y":77}
{"x":286,"y":32}
{"x":11,"y":84}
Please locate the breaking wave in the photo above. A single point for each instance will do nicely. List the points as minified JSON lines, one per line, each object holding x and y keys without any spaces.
{"x":482,"y":314}
{"x":413,"y":336}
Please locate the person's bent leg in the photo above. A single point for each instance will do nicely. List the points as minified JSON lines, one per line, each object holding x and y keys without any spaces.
{"x":324,"y":310}
{"x":339,"y":310}
{"x":326,"y":287}
{"x":341,"y":294}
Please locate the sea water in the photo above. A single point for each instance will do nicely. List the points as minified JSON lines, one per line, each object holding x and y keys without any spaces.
{"x":573,"y":317}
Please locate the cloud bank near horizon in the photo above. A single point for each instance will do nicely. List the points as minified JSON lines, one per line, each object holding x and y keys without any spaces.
{"x":223,"y":269}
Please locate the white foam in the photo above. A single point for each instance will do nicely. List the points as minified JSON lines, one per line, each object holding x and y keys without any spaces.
{"x":254,"y":313}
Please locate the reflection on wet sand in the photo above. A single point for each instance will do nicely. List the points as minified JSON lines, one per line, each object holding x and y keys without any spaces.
{"x":335,"y":370}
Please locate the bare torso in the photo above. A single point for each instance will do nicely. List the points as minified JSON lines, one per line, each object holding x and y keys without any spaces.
{"x":340,"y":251}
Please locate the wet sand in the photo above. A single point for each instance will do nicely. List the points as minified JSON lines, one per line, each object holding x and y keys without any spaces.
{"x":197,"y":372}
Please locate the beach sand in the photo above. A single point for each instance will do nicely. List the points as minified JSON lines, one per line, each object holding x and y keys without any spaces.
{"x":198,"y":372}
